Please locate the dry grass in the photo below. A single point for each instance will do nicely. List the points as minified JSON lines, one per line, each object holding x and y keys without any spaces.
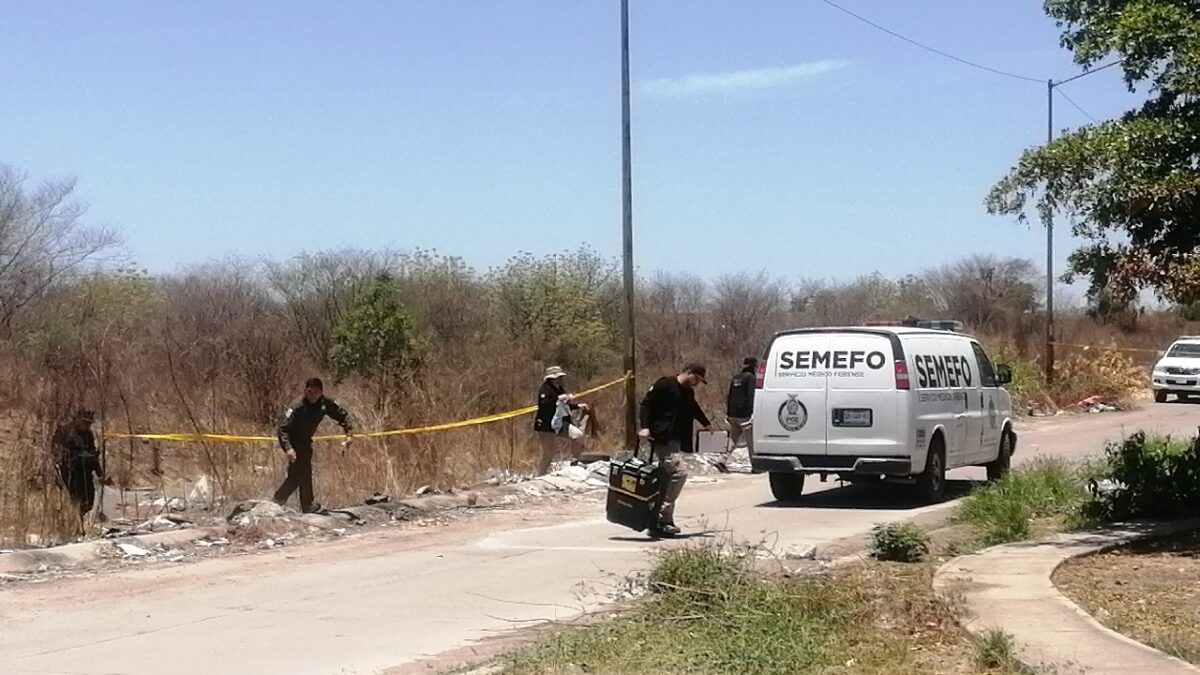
{"x":1147,"y":591}
{"x":711,"y":613}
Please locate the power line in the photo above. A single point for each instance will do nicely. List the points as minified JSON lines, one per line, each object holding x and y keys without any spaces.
{"x":932,"y":49}
{"x":1088,"y":72}
{"x":1077,"y":106}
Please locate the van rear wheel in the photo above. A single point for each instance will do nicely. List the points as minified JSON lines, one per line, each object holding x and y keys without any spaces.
{"x":787,"y":487}
{"x":998,"y":468}
{"x":931,"y":484}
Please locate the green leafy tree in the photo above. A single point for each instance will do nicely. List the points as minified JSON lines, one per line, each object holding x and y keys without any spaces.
{"x":1133,"y":182}
{"x":563,"y":308}
{"x":376,"y":340}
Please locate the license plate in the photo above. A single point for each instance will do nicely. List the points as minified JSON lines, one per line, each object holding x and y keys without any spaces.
{"x":852,"y":417}
{"x":1182,"y":383}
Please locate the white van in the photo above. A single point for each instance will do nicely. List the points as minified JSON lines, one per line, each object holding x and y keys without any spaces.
{"x":896,"y":403}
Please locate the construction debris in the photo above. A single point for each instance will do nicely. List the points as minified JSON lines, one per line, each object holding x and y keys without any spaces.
{"x":132,"y":550}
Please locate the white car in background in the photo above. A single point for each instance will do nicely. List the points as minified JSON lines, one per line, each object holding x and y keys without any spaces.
{"x":1178,"y":372}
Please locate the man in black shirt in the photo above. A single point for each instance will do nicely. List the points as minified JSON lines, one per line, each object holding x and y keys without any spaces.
{"x":296,"y":432}
{"x":667,"y":415}
{"x":739,"y":404}
{"x":77,"y":460}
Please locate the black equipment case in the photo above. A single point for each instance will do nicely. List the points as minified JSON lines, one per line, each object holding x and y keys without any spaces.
{"x":634,"y":491}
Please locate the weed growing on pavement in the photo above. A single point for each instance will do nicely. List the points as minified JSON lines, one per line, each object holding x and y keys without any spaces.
{"x":995,"y":650}
{"x":1007,"y":510}
{"x":899,"y":542}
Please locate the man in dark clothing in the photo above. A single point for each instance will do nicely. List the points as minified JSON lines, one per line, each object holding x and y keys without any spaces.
{"x":667,"y":415}
{"x":739,"y":404}
{"x":551,"y":441}
{"x":296,"y":431}
{"x":77,"y":461}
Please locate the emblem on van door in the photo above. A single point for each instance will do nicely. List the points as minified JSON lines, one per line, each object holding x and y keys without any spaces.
{"x":792,"y":414}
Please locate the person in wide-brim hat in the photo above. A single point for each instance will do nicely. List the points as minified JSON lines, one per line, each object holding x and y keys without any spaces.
{"x":554,"y":406}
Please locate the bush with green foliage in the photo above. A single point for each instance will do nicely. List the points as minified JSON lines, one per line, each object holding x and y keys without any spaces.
{"x":899,"y":542}
{"x":376,"y":339}
{"x":1148,"y":477}
{"x":562,"y":308}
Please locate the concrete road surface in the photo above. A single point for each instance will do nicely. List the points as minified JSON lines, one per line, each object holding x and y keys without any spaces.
{"x":394,"y":597}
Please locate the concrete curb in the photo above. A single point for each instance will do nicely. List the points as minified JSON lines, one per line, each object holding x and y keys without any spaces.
{"x":1009,"y":588}
{"x":72,"y":555}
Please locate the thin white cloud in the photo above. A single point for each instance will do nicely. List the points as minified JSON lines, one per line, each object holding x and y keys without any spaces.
{"x":740,"y":80}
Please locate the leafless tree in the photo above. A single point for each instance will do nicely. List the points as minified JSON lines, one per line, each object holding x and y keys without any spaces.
{"x":746,"y":309}
{"x":42,"y":241}
{"x":672,"y":317}
{"x":988,"y":292}
{"x":228,"y":331}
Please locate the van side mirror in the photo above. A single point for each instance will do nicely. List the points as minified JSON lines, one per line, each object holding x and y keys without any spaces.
{"x":1003,"y":375}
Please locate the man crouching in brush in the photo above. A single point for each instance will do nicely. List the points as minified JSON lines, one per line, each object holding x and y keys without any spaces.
{"x":296,"y":432}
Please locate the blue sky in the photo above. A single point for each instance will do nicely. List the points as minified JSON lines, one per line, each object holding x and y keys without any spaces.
{"x":781,"y":136}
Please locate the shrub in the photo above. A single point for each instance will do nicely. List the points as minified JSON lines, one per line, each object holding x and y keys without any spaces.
{"x":899,"y":542}
{"x":1148,"y":477}
{"x":376,"y":339}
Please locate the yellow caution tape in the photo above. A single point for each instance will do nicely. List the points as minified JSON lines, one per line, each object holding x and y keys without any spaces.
{"x":1107,"y":349}
{"x":476,"y":421}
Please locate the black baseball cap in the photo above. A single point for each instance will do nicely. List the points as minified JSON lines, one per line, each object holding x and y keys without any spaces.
{"x":750,"y":361}
{"x":697,"y":369}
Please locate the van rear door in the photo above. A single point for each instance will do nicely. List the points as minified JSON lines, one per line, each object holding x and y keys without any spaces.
{"x":789,"y":408}
{"x":864,"y":417}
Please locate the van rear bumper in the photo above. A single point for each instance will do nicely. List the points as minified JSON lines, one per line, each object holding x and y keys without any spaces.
{"x":866,"y":466}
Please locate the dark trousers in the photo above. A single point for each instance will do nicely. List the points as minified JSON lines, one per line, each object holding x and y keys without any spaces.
{"x":299,"y":475}
{"x":78,"y":478}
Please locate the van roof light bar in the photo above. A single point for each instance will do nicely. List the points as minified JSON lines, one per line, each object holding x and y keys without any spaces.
{"x":928,"y":324}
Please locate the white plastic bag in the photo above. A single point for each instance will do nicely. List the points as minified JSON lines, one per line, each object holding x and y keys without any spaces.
{"x":562,"y":414}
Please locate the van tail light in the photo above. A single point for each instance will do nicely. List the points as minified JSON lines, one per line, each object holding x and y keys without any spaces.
{"x":902,"y":376}
{"x":761,"y":375}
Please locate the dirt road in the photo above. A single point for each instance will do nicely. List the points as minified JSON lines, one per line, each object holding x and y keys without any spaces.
{"x":384,"y":599}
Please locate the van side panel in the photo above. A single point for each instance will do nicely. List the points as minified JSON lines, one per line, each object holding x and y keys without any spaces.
{"x":946,"y":381}
{"x":790,"y":410}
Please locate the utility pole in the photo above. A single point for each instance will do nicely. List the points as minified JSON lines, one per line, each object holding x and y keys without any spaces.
{"x":1049,"y":248}
{"x":1050,"y":85}
{"x":631,"y":421}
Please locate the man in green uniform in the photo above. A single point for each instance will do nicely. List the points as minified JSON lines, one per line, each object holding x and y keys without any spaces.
{"x":296,"y":432}
{"x":77,"y":460}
